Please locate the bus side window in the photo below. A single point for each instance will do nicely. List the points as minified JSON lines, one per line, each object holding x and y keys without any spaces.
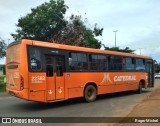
{"x":59,"y":71}
{"x":35,"y":58}
{"x":115,"y":62}
{"x":34,"y":64}
{"x":118,"y":63}
{"x":49,"y":70}
{"x":78,"y":61}
{"x":110,"y":62}
{"x":98,"y":62}
{"x":71,"y":63}
{"x":60,"y":66}
{"x":124,"y":63}
{"x":130,"y":63}
{"x":140,"y":64}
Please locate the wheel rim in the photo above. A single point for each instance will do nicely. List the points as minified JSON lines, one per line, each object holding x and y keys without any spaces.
{"x":91,"y":93}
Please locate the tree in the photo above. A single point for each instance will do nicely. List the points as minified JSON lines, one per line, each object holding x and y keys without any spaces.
{"x":126,"y":50}
{"x":43,"y":22}
{"x":76,"y":33}
{"x":2,"y":48}
{"x":47,"y":23}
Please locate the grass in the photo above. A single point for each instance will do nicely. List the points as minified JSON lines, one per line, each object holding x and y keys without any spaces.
{"x":2,"y":83}
{"x":0,"y":72}
{"x":2,"y":87}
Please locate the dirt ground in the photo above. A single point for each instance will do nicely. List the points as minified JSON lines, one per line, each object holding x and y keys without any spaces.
{"x":149,"y":107}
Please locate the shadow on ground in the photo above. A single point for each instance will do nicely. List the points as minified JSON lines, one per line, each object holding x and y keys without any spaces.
{"x":34,"y":106}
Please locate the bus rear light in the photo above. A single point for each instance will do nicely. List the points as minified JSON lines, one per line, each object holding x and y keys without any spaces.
{"x":21,"y":83}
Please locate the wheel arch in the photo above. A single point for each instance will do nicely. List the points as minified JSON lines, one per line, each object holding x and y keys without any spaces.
{"x":143,"y":82}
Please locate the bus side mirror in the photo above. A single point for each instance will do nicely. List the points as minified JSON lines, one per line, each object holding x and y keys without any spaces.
{"x":59,"y":71}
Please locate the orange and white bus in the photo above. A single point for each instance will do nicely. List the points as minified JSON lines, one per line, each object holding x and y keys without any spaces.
{"x":48,"y":72}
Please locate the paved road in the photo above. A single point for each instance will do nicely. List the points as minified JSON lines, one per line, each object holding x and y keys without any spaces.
{"x":111,"y":105}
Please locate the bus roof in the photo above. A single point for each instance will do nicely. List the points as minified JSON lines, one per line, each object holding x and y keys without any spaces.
{"x":82,"y":49}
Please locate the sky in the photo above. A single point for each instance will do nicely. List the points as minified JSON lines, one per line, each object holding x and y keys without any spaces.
{"x":137,"y":21}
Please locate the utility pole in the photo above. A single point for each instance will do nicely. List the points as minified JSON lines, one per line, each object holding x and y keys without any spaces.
{"x":115,"y":36}
{"x":140,"y":50}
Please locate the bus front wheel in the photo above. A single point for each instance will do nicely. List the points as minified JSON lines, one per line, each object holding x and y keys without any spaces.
{"x":90,"y":93}
{"x":139,"y":91}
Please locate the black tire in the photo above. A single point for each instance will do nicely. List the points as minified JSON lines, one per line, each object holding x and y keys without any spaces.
{"x":90,"y":93}
{"x":139,"y":91}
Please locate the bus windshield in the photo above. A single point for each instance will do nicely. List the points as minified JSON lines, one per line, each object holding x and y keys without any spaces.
{"x":13,"y":54}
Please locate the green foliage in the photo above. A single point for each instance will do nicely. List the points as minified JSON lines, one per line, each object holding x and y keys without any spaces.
{"x":47,"y":23}
{"x":2,"y":49}
{"x":2,"y":87}
{"x":43,"y":22}
{"x":2,"y":84}
{"x":126,"y":50}
{"x":76,"y":33}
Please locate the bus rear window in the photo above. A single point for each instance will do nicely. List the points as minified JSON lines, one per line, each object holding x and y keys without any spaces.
{"x":35,"y":58}
{"x":13,"y":54}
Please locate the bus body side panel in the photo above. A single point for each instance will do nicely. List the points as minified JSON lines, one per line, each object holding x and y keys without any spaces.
{"x":75,"y":82}
{"x":106,"y":82}
{"x":37,"y":86}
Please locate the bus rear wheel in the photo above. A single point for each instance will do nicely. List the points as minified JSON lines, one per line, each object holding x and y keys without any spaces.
{"x":90,"y":93}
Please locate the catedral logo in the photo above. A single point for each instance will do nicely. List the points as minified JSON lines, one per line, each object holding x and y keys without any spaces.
{"x":124,"y":78}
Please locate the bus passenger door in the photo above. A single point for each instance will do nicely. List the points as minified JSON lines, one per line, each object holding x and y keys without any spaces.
{"x":149,"y":66}
{"x":59,"y":60}
{"x":54,"y":77}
